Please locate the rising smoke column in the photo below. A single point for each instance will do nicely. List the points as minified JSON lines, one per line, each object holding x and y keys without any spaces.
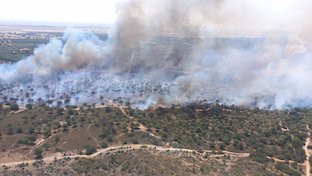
{"x":253,"y":53}
{"x":272,"y":72}
{"x":76,"y":50}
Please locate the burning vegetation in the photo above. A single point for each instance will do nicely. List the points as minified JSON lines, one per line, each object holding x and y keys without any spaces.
{"x":232,"y":52}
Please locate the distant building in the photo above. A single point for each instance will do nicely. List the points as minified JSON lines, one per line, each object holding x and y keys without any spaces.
{"x":25,"y":51}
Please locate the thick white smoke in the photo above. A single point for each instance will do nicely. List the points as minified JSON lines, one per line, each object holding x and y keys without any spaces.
{"x":253,"y":53}
{"x":75,"y":51}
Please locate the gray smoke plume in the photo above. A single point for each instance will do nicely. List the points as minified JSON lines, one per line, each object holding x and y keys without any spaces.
{"x":253,"y":53}
{"x":78,"y":50}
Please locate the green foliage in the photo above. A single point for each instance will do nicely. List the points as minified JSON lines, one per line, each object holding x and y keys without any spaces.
{"x":47,"y":131}
{"x":14,"y":107}
{"x":29,"y":106}
{"x":28,"y":140}
{"x":90,"y":150}
{"x":286,"y":169}
{"x":10,"y":131}
{"x":38,"y":152}
{"x":57,"y":139}
{"x":46,"y":146}
{"x":104,"y":145}
{"x":259,"y":157}
{"x":19,"y":130}
{"x":222,"y":127}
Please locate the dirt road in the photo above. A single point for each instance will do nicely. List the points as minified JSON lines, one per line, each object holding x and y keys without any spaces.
{"x":306,"y":162}
{"x":58,"y":156}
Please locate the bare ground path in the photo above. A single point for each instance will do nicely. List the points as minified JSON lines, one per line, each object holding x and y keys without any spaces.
{"x":307,"y":162}
{"x":141,"y":126}
{"x":128,"y":147}
{"x":284,"y":161}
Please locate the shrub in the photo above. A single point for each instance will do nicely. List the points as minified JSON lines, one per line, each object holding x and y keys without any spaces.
{"x":10,"y":131}
{"x":46,"y":146}
{"x":90,"y":150}
{"x":31,"y":130}
{"x":24,"y":141}
{"x":14,"y":107}
{"x":286,"y":169}
{"x":47,"y":131}
{"x":104,"y":145}
{"x":57,"y":139}
{"x":38,"y":152}
{"x":27,"y":140}
{"x":135,"y":141}
{"x":259,"y":157}
{"x":19,"y":130}
{"x":29,"y":106}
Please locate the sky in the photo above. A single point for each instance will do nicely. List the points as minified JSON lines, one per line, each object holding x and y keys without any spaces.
{"x":61,"y":11}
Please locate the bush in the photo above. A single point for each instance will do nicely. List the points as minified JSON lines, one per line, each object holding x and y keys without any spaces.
{"x":110,"y":138}
{"x":27,"y":140}
{"x":29,"y":106}
{"x":19,"y":130}
{"x":300,"y":155}
{"x":135,"y":141}
{"x":259,"y":157}
{"x":24,"y":141}
{"x":38,"y":152}
{"x":14,"y":107}
{"x":31,"y":130}
{"x":286,"y":169}
{"x":10,"y":131}
{"x":90,"y":150}
{"x":46,"y":146}
{"x":104,"y":145}
{"x":47,"y":132}
{"x":57,"y":139}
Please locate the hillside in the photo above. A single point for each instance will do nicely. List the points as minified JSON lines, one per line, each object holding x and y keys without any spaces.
{"x":198,"y":139}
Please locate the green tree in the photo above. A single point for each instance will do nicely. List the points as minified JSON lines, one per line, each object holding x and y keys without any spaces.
{"x":259,"y":156}
{"x":90,"y":150}
{"x":38,"y":152}
{"x":14,"y":107}
{"x":29,"y":106}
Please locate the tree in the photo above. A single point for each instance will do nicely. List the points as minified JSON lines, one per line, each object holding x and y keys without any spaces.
{"x":90,"y":150}
{"x":31,"y":130}
{"x":29,"y":106}
{"x":47,"y":131}
{"x":135,"y":141}
{"x":259,"y":157}
{"x":57,"y":139}
{"x":38,"y":152}
{"x":104,"y":145}
{"x":14,"y":107}
{"x":286,"y":169}
{"x":10,"y":131}
{"x":19,"y":130}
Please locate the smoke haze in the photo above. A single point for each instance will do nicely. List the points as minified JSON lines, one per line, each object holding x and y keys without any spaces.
{"x":253,"y":53}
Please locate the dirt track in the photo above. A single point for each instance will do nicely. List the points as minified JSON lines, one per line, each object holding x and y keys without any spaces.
{"x":129,"y":147}
{"x":307,"y":152}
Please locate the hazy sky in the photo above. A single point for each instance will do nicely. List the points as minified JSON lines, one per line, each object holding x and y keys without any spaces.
{"x":74,"y":11}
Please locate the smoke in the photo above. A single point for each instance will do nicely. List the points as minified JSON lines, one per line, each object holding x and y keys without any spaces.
{"x":75,"y":51}
{"x":253,"y":53}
